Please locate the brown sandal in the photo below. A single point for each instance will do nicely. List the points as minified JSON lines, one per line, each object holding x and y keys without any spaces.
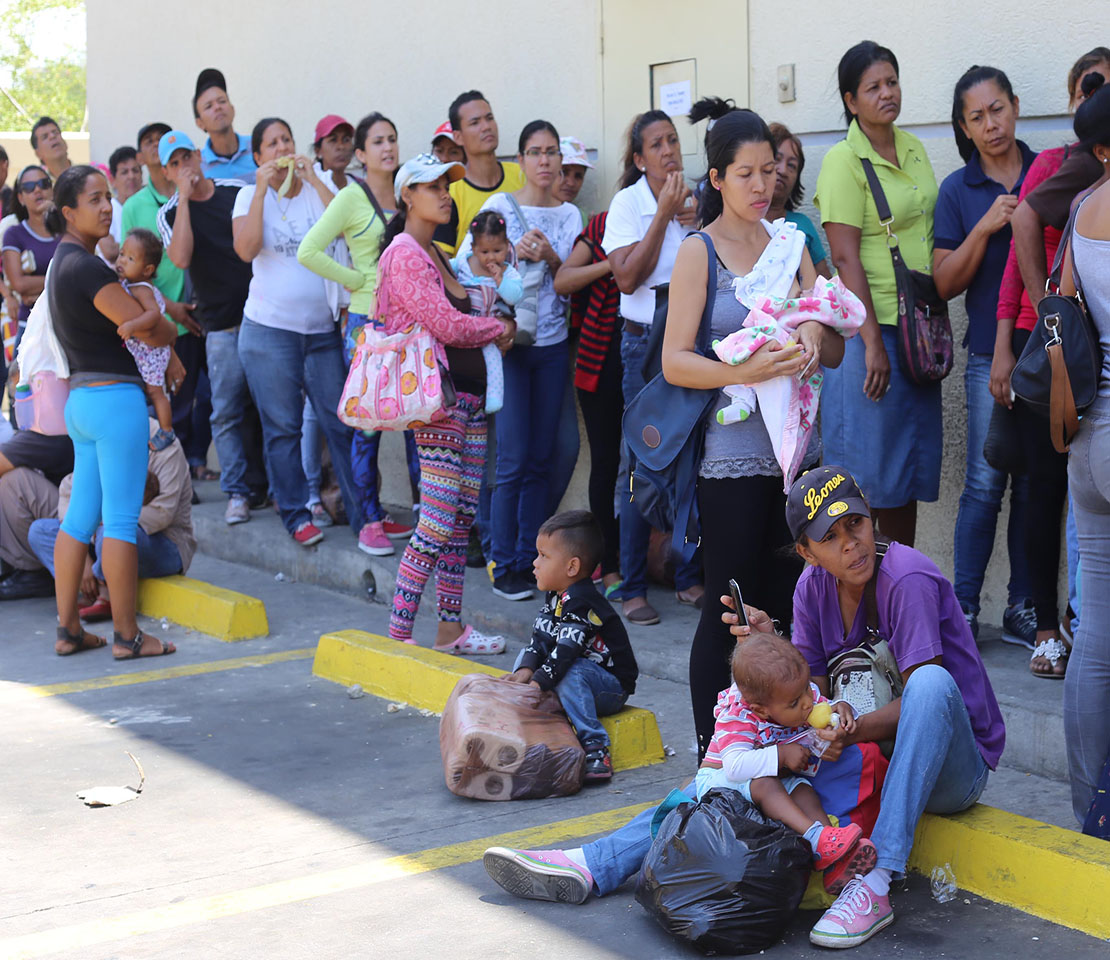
{"x":79,"y":641}
{"x":136,"y":646}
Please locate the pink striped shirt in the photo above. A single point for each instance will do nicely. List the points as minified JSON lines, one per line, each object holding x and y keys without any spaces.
{"x":739,"y":730}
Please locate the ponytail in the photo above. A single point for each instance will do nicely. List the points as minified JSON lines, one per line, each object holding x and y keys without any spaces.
{"x":974,"y":75}
{"x":728,"y":135}
{"x":631,"y":173}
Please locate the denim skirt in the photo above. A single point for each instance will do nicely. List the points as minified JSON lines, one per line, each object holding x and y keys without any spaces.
{"x":892,"y":447}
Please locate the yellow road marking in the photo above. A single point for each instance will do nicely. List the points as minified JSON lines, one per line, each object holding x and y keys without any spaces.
{"x":169,"y":673}
{"x":84,"y":935}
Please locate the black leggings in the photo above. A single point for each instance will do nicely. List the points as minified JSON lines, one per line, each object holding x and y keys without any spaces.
{"x":744,"y":535}
{"x":601,"y":412}
{"x":1048,"y":492}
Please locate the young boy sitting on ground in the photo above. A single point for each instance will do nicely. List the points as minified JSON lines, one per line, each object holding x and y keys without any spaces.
{"x":757,"y":718}
{"x":579,"y":646}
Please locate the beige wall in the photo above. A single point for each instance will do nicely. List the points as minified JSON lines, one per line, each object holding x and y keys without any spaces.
{"x":584,"y":66}
{"x":20,"y":154}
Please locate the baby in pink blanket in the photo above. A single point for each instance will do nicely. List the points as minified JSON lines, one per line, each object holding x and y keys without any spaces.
{"x":788,"y":406}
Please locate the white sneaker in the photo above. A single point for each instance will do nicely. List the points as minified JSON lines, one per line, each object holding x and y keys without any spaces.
{"x":238,"y":510}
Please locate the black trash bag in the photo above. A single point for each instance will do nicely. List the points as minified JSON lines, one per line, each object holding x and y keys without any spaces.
{"x":724,"y":877}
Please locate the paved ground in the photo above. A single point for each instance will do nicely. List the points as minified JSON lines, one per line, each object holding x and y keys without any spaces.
{"x":282,"y":818}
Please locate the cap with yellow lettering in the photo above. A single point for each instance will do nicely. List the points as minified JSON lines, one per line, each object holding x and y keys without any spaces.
{"x":821,"y":497}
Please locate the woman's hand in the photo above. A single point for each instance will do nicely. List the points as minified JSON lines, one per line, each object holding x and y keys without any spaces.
{"x":672,"y":198}
{"x":770,"y":361}
{"x":265,"y":174}
{"x":1002,"y":366}
{"x":759,"y":622}
{"x":175,"y":373}
{"x":504,"y":342}
{"x":534,"y":246}
{"x":875,"y":358}
{"x":306,"y":171}
{"x":810,"y":335}
{"x":847,"y":716}
{"x":998,"y":214}
{"x":837,"y":738}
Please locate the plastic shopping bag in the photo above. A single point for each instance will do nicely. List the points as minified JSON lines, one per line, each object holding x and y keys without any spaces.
{"x":507,"y":741}
{"x":43,"y":365}
{"x":396,"y":381}
{"x":722,"y":876}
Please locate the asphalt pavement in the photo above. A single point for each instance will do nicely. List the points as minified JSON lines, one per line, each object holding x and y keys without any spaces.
{"x":283,"y":818}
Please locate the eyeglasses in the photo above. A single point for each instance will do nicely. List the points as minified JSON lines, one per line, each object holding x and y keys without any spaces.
{"x":30,"y":186}
{"x":551,"y":152}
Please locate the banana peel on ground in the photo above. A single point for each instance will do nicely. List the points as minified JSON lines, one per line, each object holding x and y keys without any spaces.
{"x":113,"y":796}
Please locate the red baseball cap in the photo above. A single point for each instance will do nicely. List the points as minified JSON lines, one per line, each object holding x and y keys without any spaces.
{"x":328,"y":126}
{"x":443,"y":130}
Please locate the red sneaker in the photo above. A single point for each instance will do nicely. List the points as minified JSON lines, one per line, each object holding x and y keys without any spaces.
{"x":395,"y":530}
{"x":307,"y":534}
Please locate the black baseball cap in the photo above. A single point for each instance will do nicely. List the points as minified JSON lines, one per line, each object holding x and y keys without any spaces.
{"x":819,"y":498}
{"x":210,"y":77}
{"x":150,"y":128}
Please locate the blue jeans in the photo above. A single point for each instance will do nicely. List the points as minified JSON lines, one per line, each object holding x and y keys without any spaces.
{"x":1072,"y":540}
{"x":535,"y":380}
{"x":984,"y":488}
{"x":588,"y":691}
{"x":936,"y":766}
{"x":158,"y":557}
{"x":281,"y":367}
{"x":635,"y":531}
{"x":230,"y":396}
{"x":310,"y":452}
{"x":565,"y":458}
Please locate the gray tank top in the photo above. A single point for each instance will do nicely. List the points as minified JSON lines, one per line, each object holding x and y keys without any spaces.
{"x":736,"y":449}
{"x":1092,"y":263}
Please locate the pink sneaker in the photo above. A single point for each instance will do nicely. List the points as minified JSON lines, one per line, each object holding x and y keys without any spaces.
{"x":538,"y":874}
{"x":372,"y":540}
{"x":397,"y":530}
{"x":856,"y":916}
{"x":307,"y":534}
{"x":859,"y":861}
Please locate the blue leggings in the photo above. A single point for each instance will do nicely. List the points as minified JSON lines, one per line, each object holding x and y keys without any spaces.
{"x":110,"y":433}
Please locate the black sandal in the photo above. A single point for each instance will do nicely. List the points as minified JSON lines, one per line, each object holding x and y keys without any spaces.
{"x":78,"y":641}
{"x":136,"y":646}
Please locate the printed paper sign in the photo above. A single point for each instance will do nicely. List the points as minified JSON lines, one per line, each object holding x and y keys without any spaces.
{"x":675,"y":98}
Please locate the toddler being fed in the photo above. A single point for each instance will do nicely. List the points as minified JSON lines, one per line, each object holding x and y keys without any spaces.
{"x":759,"y":749}
{"x":139,"y":256}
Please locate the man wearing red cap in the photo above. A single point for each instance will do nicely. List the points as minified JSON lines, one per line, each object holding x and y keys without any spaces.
{"x":444,"y":147}
{"x":226,"y":155}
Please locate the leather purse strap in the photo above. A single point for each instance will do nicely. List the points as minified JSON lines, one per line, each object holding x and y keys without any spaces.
{"x":870,"y":592}
{"x":886,"y":218}
{"x":1063,"y":418}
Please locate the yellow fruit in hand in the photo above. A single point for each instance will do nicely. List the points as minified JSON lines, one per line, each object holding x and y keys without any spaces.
{"x":820,"y":716}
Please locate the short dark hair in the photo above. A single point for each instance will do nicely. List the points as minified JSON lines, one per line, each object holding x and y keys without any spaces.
{"x":260,"y":129}
{"x":18,"y":207}
{"x":762,"y":662}
{"x":120,"y":155}
{"x":1092,"y":119}
{"x":854,"y":64}
{"x":1092,"y":58}
{"x":580,"y":532}
{"x":459,"y":102}
{"x":39,"y":124}
{"x":150,"y":242}
{"x":488,"y":223}
{"x":780,"y":133}
{"x":3,"y":155}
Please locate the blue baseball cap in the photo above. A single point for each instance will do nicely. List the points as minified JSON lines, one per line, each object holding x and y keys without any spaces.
{"x":174,"y":140}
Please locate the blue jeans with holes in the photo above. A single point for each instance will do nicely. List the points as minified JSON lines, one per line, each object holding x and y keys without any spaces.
{"x":635,"y":531}
{"x":158,"y":557}
{"x":281,"y":367}
{"x":984,"y":488}
{"x":535,"y":380}
{"x":230,"y":397}
{"x":588,"y":691}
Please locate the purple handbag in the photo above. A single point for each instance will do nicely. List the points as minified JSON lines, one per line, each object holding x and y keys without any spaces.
{"x":925,"y":347}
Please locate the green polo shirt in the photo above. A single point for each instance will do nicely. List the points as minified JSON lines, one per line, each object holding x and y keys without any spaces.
{"x":141,"y":210}
{"x":843,"y":196}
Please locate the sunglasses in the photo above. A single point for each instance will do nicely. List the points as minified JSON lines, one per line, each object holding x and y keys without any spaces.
{"x":30,"y":186}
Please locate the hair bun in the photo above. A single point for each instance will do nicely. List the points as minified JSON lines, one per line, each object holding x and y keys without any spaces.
{"x":710,"y":108}
{"x":1092,"y":82}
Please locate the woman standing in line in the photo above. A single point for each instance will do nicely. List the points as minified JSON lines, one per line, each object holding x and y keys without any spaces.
{"x":29,"y":245}
{"x":870,"y":395}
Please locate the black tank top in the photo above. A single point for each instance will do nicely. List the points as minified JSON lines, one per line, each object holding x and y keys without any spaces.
{"x":467,"y":365}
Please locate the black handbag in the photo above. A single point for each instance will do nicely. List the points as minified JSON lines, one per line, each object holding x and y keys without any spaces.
{"x":653,"y":354}
{"x":664,"y":427}
{"x":925,"y":346}
{"x":1002,"y":448}
{"x":1059,"y":369}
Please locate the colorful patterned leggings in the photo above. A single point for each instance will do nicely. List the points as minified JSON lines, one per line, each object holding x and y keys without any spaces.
{"x":452,"y":463}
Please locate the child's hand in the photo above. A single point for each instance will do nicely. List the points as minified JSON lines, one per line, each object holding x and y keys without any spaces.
{"x":523,"y":675}
{"x":497,"y":272}
{"x":793,"y":757}
{"x":847,"y":718}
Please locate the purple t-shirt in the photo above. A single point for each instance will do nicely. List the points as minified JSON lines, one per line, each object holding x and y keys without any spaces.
{"x":35,"y":253}
{"x":920,"y":618}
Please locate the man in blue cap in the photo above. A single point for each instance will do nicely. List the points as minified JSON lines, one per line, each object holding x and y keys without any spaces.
{"x":225,"y":153}
{"x":195,"y":226}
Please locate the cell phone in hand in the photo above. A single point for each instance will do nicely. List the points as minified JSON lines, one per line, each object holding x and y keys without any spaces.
{"x":734,"y":589}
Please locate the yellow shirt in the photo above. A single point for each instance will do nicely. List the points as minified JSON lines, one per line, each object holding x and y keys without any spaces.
{"x":469,"y":198}
{"x":843,"y":196}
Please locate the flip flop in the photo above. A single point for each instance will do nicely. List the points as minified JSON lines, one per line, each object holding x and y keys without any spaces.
{"x":79,"y":641}
{"x":136,"y":647}
{"x":474,"y":644}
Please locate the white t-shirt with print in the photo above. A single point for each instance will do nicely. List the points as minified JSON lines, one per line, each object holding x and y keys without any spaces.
{"x":561,"y":225}
{"x":283,"y":294}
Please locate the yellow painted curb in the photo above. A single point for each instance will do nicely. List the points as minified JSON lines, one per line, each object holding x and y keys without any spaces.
{"x":223,"y":614}
{"x":1057,"y":874}
{"x":424,"y":679}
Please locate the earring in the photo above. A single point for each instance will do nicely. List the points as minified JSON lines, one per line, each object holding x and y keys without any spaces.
{"x":643,"y":169}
